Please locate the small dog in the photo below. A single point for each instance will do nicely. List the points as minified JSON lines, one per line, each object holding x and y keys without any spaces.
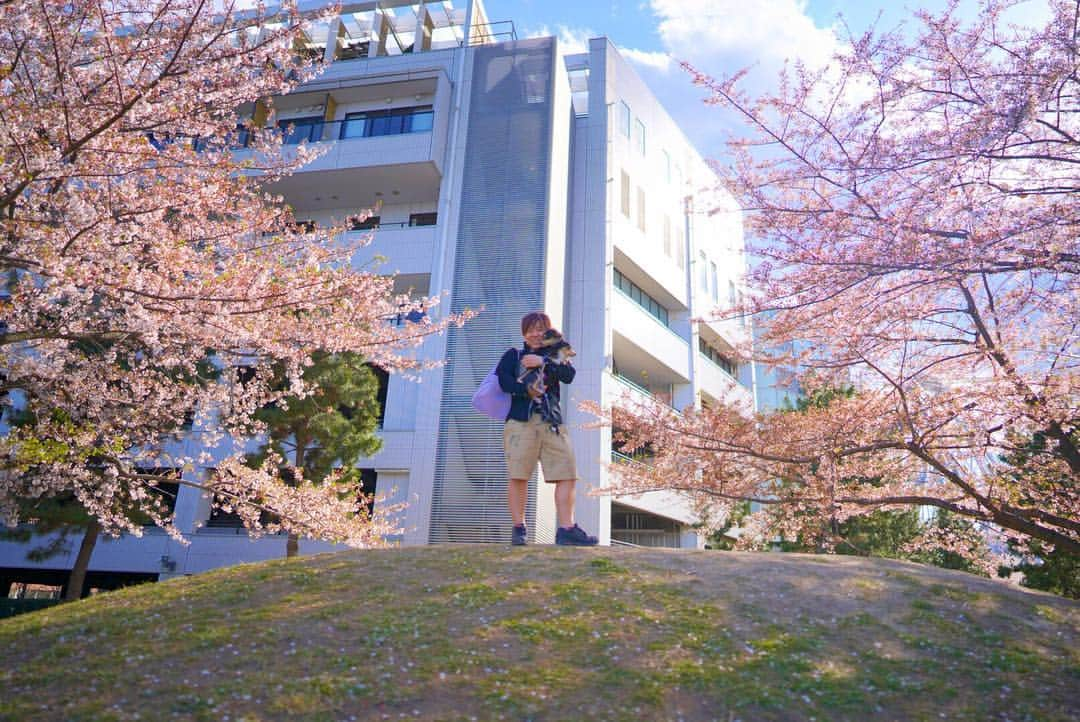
{"x":554,"y":349}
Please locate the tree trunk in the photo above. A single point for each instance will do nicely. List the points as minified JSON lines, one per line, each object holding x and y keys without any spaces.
{"x":77,"y":578}
{"x":292,"y":546}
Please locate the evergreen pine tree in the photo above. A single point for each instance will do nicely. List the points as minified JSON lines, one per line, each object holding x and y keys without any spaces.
{"x":326,"y":431}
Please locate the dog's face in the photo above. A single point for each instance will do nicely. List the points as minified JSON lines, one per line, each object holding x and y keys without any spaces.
{"x":551,"y":337}
{"x":555,"y":346}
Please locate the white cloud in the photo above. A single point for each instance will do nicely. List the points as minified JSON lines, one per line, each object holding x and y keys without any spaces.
{"x":721,"y":36}
{"x":656,"y":60}
{"x":576,"y":40}
{"x":571,"y":40}
{"x":718,"y":37}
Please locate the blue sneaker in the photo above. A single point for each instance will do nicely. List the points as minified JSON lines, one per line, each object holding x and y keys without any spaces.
{"x":574,"y":536}
{"x":518,"y":536}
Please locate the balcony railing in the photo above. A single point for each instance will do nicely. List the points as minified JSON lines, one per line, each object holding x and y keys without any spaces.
{"x":647,"y":538}
{"x":721,"y":368}
{"x":650,"y":314}
{"x":631,"y":383}
{"x":642,"y":389}
{"x":634,"y":292}
{"x":382,"y":225}
{"x":617,"y":457}
{"x":294,"y":134}
{"x":356,"y":128}
{"x":496,"y":32}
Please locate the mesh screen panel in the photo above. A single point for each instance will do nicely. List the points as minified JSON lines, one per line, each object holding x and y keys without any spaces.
{"x":499,"y":264}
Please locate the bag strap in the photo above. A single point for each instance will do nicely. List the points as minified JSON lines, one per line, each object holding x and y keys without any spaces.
{"x":516,"y":351}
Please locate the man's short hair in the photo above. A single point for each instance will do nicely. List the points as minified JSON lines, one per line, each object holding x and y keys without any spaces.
{"x":534,"y":318}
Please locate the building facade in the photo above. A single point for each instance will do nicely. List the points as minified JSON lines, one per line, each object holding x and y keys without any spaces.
{"x":510,"y":176}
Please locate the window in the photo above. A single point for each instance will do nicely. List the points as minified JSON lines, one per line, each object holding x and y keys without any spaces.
{"x":624,"y":119}
{"x":164,"y":492}
{"x":354,"y":49}
{"x":579,"y":90}
{"x":230,"y":520}
{"x":715,"y":286}
{"x":220,"y":519}
{"x":641,"y":208}
{"x":667,"y":166}
{"x":365,"y":224}
{"x":731,"y":294}
{"x":305,"y":226}
{"x":718,"y":358}
{"x":423,"y":219}
{"x":369,"y":481}
{"x":241,"y":137}
{"x":743,"y":320}
{"x":382,"y":378}
{"x":703,"y":272}
{"x":241,"y":377}
{"x":680,"y":248}
{"x":30,"y":590}
{"x":393,"y":121}
{"x":641,"y":298}
{"x":244,"y":375}
{"x":535,"y":86}
{"x":639,"y":135}
{"x":298,"y":130}
{"x":667,"y":236}
{"x":625,"y":195}
{"x":188,"y":422}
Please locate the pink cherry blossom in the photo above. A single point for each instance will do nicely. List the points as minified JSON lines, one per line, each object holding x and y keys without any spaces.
{"x":137,"y":245}
{"x":915,"y":219}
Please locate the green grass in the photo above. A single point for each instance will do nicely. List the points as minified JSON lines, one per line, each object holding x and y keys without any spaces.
{"x":545,"y":633}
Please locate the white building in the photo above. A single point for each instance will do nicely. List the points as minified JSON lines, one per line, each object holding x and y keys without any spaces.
{"x":514,"y":177}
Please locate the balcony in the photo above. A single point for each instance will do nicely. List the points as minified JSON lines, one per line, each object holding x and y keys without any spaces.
{"x":634,"y":249}
{"x":378,"y":138}
{"x":355,"y":172}
{"x":734,"y":331}
{"x":638,"y":393}
{"x":720,"y":378}
{"x":651,"y":519}
{"x":406,"y":249}
{"x":644,"y":528}
{"x":643,"y":343}
{"x":719,"y":385}
{"x":396,"y":451}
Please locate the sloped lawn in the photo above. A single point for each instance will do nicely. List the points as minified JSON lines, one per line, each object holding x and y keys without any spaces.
{"x":547,"y":633}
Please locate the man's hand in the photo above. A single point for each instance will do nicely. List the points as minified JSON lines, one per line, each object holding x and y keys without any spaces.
{"x":532,"y":361}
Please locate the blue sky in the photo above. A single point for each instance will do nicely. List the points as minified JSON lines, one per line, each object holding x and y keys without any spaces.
{"x":717,"y":36}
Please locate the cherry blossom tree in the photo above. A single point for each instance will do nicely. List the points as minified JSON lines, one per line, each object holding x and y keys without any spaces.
{"x":915,"y":216}
{"x":146,"y":263}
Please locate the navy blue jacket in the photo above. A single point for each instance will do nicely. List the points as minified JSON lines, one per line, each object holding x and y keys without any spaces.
{"x":520,"y":403}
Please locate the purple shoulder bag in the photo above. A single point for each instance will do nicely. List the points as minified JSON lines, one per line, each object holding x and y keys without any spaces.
{"x":489,"y":399}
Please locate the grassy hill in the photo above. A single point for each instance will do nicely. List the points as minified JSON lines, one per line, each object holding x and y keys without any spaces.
{"x":548,"y":633}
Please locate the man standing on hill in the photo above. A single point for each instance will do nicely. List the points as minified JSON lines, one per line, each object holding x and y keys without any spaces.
{"x":534,"y":432}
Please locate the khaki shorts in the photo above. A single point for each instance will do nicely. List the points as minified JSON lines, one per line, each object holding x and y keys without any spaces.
{"x":525,"y":442}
